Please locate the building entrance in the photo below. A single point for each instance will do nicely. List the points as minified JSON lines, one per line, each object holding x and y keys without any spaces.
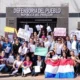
{"x":32,"y":22}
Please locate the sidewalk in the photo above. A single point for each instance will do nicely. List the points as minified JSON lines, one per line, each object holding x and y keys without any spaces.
{"x":40,"y":77}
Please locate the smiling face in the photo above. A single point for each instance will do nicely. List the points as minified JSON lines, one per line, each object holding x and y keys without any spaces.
{"x":64,"y":54}
{"x":72,"y":53}
{"x":39,"y":58}
{"x":27,"y":58}
{"x":31,"y":40}
{"x":64,"y":47}
{"x":67,"y":38}
{"x":18,"y":58}
{"x":17,"y":41}
{"x":35,"y":34}
{"x":25,"y":44}
{"x":75,"y":37}
{"x":6,"y":39}
{"x":59,"y":41}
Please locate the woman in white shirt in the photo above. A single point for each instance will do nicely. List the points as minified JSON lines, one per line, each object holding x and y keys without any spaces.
{"x":31,"y":47}
{"x":52,"y":56}
{"x":47,"y":44}
{"x":58,"y":47}
{"x":23,"y":50}
{"x":68,"y":42}
{"x":74,"y":45}
{"x":16,"y":66}
{"x":52,"y":44}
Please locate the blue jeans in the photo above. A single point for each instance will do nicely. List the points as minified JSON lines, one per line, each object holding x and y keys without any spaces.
{"x":22,"y":57}
{"x":2,"y":66}
{"x":75,"y":52}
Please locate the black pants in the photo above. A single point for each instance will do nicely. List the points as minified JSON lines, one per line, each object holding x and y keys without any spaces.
{"x":7,"y":55}
{"x":34,"y":73}
{"x":77,"y":69}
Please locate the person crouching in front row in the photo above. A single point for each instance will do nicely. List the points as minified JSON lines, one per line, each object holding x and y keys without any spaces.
{"x":16,"y":66}
{"x":39,"y":67}
{"x":26,"y":66}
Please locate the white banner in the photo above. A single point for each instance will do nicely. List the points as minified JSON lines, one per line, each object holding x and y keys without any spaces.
{"x":75,"y":32}
{"x":24,"y":34}
{"x":59,"y":31}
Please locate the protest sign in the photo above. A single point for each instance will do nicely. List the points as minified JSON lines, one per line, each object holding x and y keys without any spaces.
{"x":31,"y":30}
{"x":49,"y":29}
{"x":38,"y":27}
{"x":24,"y":34}
{"x":59,"y":31}
{"x":75,"y":32}
{"x":41,"y":51}
{"x":26,"y":27}
{"x":26,"y":71}
{"x":37,"y":68}
{"x":10,"y":30}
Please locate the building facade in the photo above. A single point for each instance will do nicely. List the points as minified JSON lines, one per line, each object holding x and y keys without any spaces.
{"x":71,"y":22}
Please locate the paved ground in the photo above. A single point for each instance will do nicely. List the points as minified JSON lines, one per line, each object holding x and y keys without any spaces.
{"x":40,"y":77}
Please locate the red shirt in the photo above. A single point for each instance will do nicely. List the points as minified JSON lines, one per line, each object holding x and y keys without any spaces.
{"x":27,"y":63}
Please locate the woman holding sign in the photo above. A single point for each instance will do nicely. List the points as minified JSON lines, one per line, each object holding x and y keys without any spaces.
{"x":23,"y":50}
{"x":39,"y":67}
{"x":26,"y":66}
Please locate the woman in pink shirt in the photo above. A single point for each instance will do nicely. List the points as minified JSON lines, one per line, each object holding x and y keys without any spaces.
{"x":27,"y":64}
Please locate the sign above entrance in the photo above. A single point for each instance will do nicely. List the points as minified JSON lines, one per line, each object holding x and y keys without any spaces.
{"x":37,"y":12}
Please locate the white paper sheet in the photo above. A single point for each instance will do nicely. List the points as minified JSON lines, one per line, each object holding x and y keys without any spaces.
{"x":7,"y":49}
{"x":26,"y":27}
{"x":49,"y":29}
{"x":31,"y":30}
{"x":37,"y":68}
{"x":26,"y":71}
{"x":38,"y":27}
{"x":32,"y":48}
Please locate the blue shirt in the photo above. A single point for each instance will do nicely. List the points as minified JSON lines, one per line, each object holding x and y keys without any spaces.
{"x":5,"y":45}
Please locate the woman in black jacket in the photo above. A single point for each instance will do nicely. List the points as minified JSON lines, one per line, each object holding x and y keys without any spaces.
{"x":40,"y":63}
{"x":66,"y":50}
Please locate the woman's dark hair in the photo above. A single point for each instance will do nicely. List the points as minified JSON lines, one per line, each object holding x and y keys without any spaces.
{"x":65,"y":53}
{"x":41,"y":43}
{"x":53,"y":52}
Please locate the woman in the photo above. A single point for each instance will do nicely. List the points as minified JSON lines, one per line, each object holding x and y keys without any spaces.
{"x":41,"y":44}
{"x":47,"y":44}
{"x":40,"y":64}
{"x":66,"y":50}
{"x":64,"y":55}
{"x":58,"y":47}
{"x":31,"y":47}
{"x":7,"y":47}
{"x":68,"y":42}
{"x":23,"y":50}
{"x":2,"y":61}
{"x":74,"y":45}
{"x":16,"y":46}
{"x":74,"y":58}
{"x":52,"y":44}
{"x":26,"y":65}
{"x":52,"y":56}
{"x":35,"y":36}
{"x":16,"y":66}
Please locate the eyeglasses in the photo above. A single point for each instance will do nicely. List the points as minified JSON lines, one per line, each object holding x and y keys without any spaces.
{"x":59,"y":40}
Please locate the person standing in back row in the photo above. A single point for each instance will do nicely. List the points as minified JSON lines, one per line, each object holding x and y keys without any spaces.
{"x":7,"y":47}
